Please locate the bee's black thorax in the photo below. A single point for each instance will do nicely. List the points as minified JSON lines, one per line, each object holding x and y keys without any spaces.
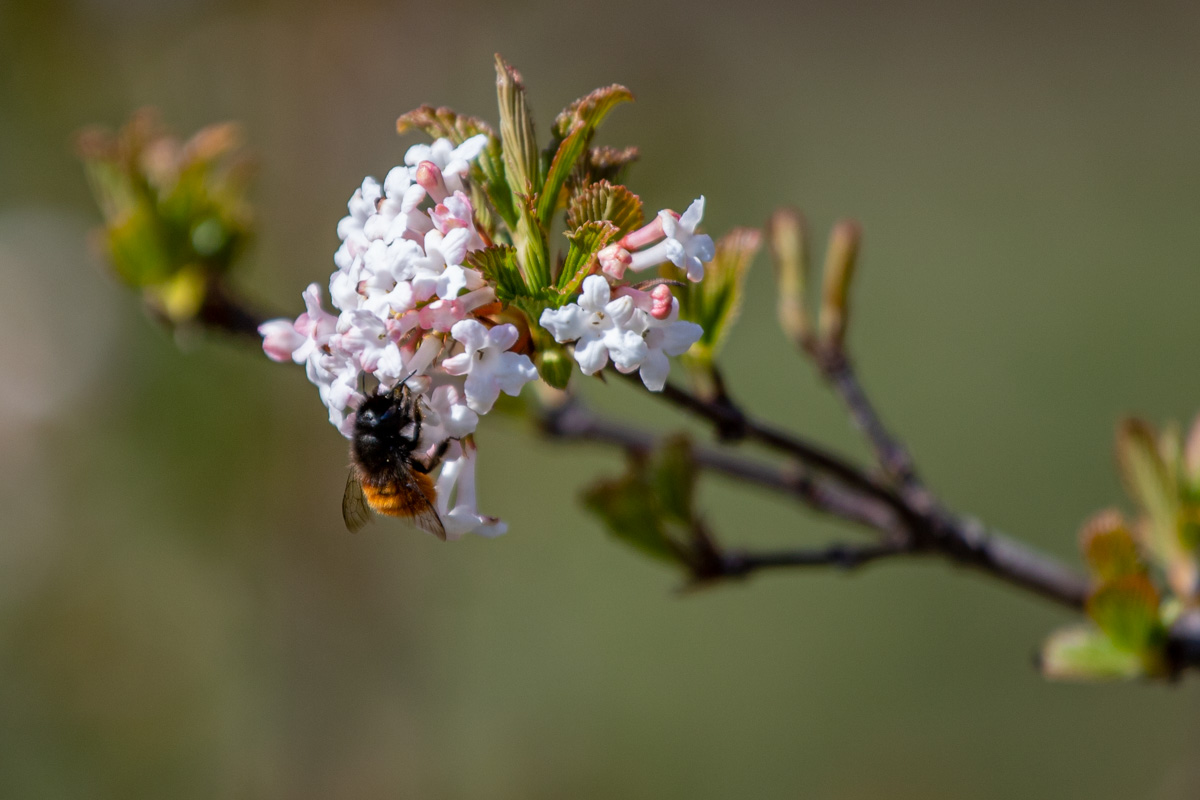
{"x":379,"y":441}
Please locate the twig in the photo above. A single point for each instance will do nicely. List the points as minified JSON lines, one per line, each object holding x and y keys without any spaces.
{"x":225,"y":311}
{"x":893,"y":457}
{"x":574,"y":421}
{"x":733,"y":424}
{"x":929,"y":527}
{"x":739,"y":563}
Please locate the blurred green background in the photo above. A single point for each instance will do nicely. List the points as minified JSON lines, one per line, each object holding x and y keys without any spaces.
{"x":183,"y":615}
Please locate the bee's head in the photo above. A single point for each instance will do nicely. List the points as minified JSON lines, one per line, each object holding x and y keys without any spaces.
{"x":375,"y":412}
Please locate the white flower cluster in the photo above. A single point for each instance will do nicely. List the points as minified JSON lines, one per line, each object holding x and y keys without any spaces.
{"x":637,"y":330}
{"x":410,"y":310}
{"x":406,"y":302}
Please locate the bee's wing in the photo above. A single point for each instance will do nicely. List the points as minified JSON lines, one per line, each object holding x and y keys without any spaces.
{"x":418,"y":505}
{"x":355,"y":511}
{"x":428,"y":520}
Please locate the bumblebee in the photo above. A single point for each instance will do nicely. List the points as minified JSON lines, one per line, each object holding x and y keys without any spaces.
{"x":386,"y":475}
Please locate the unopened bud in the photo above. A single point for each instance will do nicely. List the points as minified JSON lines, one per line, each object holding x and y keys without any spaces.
{"x":662,"y":301}
{"x":840,"y":261}
{"x":554,"y":365}
{"x":212,"y":142}
{"x":788,"y":239}
{"x":614,"y":260}
{"x":516,"y":129}
{"x":429,"y":176}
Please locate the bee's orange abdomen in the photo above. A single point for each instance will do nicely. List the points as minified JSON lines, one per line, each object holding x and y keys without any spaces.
{"x":395,"y":500}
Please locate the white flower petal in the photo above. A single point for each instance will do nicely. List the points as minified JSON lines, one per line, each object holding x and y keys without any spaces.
{"x":418,"y":153}
{"x":482,"y":389}
{"x":471,"y":148}
{"x":471,"y":333}
{"x":565,"y":324}
{"x":591,"y":355}
{"x":654,"y":371}
{"x":678,"y":337}
{"x":516,"y":370}
{"x":626,"y":348}
{"x":691,"y":218}
{"x":503,"y":336}
{"x":457,"y":365}
{"x":596,"y":293}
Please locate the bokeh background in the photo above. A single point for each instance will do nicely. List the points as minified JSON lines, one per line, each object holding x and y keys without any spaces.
{"x":182,"y":614}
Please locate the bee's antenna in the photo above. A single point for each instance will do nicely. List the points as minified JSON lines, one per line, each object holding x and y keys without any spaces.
{"x":404,"y":380}
{"x":401,"y":384}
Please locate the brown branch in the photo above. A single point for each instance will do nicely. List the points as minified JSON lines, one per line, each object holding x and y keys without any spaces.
{"x":966,"y":541}
{"x":733,"y":424}
{"x":928,"y":527}
{"x":892,"y":456}
{"x":573,"y":420}
{"x":223,"y":310}
{"x":740,"y":563}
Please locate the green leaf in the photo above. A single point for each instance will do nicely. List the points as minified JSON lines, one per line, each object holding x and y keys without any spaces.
{"x":532,"y":249}
{"x":629,"y":509}
{"x":1146,"y":477}
{"x":1127,"y":609}
{"x":573,"y":131}
{"x":1083,"y":653}
{"x":1191,"y":455}
{"x":488,"y":174}
{"x":1109,"y":547}
{"x":609,"y":164}
{"x":651,"y":506}
{"x":1189,"y":526}
{"x":136,"y":249}
{"x":560,"y":169}
{"x":586,"y":241}
{"x":175,"y":215}
{"x":443,"y":123}
{"x":590,"y":109}
{"x":605,"y":201}
{"x":1152,"y":483}
{"x":715,"y":302}
{"x":519,"y":144}
{"x":675,"y":479}
{"x":498,"y":264}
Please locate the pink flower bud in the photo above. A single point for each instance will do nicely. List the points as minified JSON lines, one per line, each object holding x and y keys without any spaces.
{"x":614,"y":260}
{"x":429,"y":177}
{"x":661,"y":301}
{"x":280,"y":339}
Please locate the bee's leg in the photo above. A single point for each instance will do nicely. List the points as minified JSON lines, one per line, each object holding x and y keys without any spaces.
{"x":418,"y":418}
{"x":425,"y":467}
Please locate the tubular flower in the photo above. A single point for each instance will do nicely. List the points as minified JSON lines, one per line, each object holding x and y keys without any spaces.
{"x":456,"y":496}
{"x":680,"y":244}
{"x":601,"y":328}
{"x":487,"y":364}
